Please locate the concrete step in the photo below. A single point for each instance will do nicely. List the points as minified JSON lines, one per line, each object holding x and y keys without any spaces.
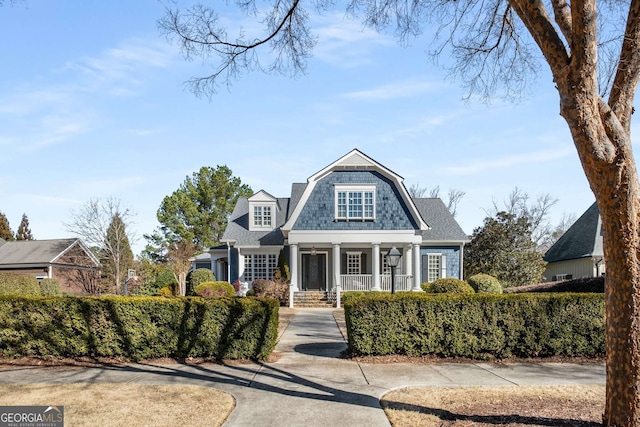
{"x":310,"y":299}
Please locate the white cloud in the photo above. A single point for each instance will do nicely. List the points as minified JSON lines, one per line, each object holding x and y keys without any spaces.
{"x":405,"y":89}
{"x":66,"y":107}
{"x":482,"y":165}
{"x":122,"y":70}
{"x":345,"y":43}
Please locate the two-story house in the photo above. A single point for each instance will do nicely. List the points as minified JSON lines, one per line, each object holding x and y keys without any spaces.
{"x":336,"y":229}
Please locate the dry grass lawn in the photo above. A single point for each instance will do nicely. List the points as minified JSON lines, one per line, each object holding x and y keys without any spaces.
{"x":125,"y":404}
{"x":576,"y":405}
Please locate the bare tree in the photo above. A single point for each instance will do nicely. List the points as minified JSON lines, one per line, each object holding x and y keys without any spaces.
{"x":178,"y":256}
{"x":537,"y":212}
{"x":454,"y":196}
{"x":106,"y":225}
{"x":497,"y":46}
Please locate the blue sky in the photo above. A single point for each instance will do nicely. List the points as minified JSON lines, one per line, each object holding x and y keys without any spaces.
{"x":92,"y":105}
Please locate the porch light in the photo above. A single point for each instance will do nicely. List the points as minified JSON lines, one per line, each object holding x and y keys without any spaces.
{"x":393,"y":258}
{"x":313,"y":251}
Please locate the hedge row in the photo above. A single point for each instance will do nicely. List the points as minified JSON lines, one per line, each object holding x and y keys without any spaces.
{"x":138,"y":327}
{"x":477,"y":326}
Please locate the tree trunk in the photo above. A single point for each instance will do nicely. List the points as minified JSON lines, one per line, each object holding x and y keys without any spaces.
{"x":609,"y":165}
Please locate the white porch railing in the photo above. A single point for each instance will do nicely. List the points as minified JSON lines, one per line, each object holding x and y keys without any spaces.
{"x":364,"y":282}
{"x":403,"y":282}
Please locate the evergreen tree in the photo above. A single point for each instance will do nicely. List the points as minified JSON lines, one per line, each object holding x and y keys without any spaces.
{"x":199,"y":210}
{"x":503,"y":248}
{"x":24,"y":232}
{"x":5,"y":229}
{"x":116,"y":255}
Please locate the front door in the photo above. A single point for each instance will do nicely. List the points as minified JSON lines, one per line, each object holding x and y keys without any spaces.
{"x":314,"y":272}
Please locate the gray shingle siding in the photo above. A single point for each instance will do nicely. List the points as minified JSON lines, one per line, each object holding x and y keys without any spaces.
{"x":453,"y":259}
{"x":319,"y":211}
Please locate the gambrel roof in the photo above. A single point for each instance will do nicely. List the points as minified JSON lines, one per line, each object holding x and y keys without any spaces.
{"x":430,"y":216}
{"x":356,"y":160}
{"x":582,"y":239}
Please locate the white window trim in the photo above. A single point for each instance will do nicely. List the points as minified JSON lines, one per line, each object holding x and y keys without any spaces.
{"x":359,"y":255}
{"x":443,"y":266}
{"x":249,"y":264}
{"x":358,"y":188}
{"x":262,"y":206}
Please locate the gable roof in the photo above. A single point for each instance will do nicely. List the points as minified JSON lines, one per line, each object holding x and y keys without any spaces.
{"x":355,"y":160}
{"x":444,"y":227}
{"x":237,"y":231}
{"x":582,"y":239}
{"x":38,"y":252}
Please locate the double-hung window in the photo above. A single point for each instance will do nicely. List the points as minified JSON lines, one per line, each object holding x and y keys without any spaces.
{"x":262,"y":216}
{"x":354,"y":262}
{"x":434,"y":267}
{"x":355,"y":203}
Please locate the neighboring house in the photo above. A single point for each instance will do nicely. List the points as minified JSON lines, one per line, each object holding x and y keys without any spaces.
{"x":216,"y":260}
{"x":578,"y":252}
{"x":337,"y":228}
{"x":67,"y":260}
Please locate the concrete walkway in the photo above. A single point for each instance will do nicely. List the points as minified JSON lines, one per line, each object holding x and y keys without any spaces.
{"x":309,"y":385}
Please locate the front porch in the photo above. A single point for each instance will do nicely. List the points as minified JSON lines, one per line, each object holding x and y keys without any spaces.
{"x":364,"y":282}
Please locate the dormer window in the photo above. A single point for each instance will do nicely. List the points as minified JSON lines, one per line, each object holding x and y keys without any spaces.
{"x":262,"y":216}
{"x":355,"y":203}
{"x":262,"y":211}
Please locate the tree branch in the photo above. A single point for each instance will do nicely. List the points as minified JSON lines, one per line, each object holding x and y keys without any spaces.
{"x":535,"y":17}
{"x":628,"y":72}
{"x":199,"y":35}
{"x":562,"y":13}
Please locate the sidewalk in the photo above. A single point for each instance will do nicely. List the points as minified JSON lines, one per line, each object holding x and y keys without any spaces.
{"x":308,"y":385}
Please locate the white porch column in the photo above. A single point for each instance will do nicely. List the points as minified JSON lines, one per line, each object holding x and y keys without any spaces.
{"x":416,"y":268}
{"x":240,"y":266}
{"x":336,"y":265}
{"x":293,"y":263}
{"x":375,"y":267}
{"x":408,"y":262}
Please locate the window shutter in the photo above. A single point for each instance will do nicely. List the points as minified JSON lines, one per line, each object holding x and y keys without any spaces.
{"x":343,"y":264}
{"x":425,"y":268}
{"x":443,"y":265}
{"x":363,"y":264}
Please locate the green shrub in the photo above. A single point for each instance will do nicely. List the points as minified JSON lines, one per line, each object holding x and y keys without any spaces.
{"x":346,"y":296}
{"x":485,"y":284}
{"x":165,"y":278}
{"x":166,"y":292}
{"x":197,"y":276}
{"x":272,"y":289}
{"x":138,"y":328}
{"x":18,"y":284}
{"x":50,"y":287}
{"x":448,"y":285}
{"x":479,"y":326}
{"x":214,"y":290}
{"x":146,"y":289}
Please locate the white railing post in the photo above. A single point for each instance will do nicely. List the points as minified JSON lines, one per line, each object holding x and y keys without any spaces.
{"x":338,"y":296}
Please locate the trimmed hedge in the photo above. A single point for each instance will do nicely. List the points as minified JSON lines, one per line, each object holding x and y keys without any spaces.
{"x":18,"y":284}
{"x":137,"y":328}
{"x":197,"y":276}
{"x":479,"y":326}
{"x":485,"y":284}
{"x":215,"y":290}
{"x":448,"y":285}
